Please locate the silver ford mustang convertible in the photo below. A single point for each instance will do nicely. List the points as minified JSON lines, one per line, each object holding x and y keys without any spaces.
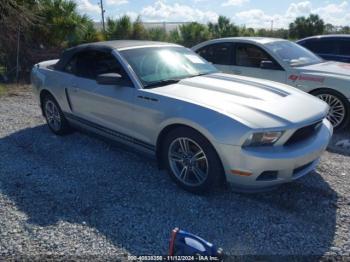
{"x":203,"y":126}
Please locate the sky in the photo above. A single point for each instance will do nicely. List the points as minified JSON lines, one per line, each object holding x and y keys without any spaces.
{"x":252,"y":13}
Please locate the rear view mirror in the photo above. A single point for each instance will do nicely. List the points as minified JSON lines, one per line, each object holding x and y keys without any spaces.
{"x":110,"y":79}
{"x":267,"y":64}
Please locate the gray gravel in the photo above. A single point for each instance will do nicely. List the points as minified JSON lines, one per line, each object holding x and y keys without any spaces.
{"x":81,"y":197}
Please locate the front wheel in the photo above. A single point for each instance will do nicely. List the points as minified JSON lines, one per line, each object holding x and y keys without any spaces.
{"x":191,"y":160}
{"x":339,"y":107}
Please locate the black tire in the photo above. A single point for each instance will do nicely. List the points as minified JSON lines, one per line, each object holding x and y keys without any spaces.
{"x":64,"y":128}
{"x":345,"y":122}
{"x":215,"y":174}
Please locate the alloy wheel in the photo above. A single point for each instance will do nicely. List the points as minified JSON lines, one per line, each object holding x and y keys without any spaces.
{"x":52,"y":115}
{"x":336,"y":114}
{"x":188,"y":161}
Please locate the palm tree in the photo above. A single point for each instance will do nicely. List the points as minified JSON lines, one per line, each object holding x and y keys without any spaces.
{"x":62,"y":25}
{"x":139,"y":32}
{"x":223,"y":28}
{"x":193,"y":33}
{"x":121,"y":28}
{"x":303,"y":27}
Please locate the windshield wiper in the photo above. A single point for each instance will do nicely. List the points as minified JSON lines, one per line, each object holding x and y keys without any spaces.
{"x":162,"y":83}
{"x":203,"y":74}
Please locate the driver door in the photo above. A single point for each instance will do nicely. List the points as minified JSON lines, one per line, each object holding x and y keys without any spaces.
{"x":109,"y":106}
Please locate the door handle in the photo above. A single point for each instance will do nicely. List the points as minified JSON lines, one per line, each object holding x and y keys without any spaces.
{"x":237,"y":72}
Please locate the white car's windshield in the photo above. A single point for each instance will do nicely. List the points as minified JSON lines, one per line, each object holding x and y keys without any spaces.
{"x":160,"y":65}
{"x":293,"y":54}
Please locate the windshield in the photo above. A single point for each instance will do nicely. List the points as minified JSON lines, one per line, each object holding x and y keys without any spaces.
{"x":161,"y":65}
{"x":293,"y":54}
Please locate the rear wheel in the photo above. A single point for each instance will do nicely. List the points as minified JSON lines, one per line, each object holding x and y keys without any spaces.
{"x":338,"y":113}
{"x":55,"y":119}
{"x":191,"y":160}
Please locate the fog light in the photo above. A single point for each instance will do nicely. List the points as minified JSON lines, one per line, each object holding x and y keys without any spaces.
{"x":240,"y":173}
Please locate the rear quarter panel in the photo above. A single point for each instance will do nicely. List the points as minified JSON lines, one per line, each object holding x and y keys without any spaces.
{"x":310,"y":81}
{"x":44,"y":77}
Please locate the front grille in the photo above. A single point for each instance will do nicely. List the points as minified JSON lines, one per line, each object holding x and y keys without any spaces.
{"x":267,"y":176}
{"x":304,"y":133}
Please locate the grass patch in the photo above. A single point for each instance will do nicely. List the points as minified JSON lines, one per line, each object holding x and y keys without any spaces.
{"x":14,"y":89}
{"x":3,"y":90}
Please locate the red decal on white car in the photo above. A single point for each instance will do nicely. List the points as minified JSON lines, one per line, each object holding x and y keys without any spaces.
{"x":312,"y":78}
{"x":293,"y":77}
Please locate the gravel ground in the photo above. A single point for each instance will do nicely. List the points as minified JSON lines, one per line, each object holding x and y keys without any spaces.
{"x":80,"y":197}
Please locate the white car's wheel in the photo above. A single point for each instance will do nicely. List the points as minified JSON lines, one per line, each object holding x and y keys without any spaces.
{"x":339,"y":108}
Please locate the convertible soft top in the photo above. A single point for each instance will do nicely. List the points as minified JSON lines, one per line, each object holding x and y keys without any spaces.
{"x":105,"y":46}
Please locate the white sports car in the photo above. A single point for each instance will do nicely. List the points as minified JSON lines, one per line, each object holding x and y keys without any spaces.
{"x":203,"y":126}
{"x":285,"y":62}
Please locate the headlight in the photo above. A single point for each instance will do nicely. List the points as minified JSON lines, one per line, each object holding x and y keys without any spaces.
{"x":263,"y":139}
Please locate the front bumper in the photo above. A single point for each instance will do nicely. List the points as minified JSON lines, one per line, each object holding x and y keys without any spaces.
{"x":271,"y":166}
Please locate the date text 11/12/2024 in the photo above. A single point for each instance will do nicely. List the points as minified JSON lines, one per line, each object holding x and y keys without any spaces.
{"x":173,"y":258}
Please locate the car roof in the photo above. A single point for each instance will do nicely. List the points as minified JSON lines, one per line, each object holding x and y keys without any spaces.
{"x":325,"y":36}
{"x":106,"y":46}
{"x":259,"y":40}
{"x":124,"y":44}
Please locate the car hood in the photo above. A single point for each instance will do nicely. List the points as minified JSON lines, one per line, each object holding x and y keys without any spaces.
{"x":253,"y":102}
{"x":329,"y":68}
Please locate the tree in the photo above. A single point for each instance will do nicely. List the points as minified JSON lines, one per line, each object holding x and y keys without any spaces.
{"x":281,"y":33}
{"x":157,"y":34}
{"x":303,"y":27}
{"x":330,"y":29}
{"x":139,"y":32}
{"x":121,"y":28}
{"x":174,"y":36}
{"x":61,"y":25}
{"x":46,"y":27}
{"x":16,"y":18}
{"x":223,"y":28}
{"x":243,"y":31}
{"x":344,"y":30}
{"x":193,"y":33}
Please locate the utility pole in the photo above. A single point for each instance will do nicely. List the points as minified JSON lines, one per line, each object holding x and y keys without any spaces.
{"x":103,"y":15}
{"x":272,"y":25}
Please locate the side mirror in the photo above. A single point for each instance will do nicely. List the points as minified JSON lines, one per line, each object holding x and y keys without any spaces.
{"x":267,"y":64}
{"x":110,"y":79}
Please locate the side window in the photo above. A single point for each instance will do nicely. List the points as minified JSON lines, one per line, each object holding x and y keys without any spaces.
{"x":322,"y":46}
{"x":218,"y":54}
{"x":344,"y":47}
{"x":107,"y":63}
{"x":86,"y":64}
{"x":70,"y":67}
{"x":90,"y":64}
{"x":250,"y":55}
{"x":309,"y":44}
